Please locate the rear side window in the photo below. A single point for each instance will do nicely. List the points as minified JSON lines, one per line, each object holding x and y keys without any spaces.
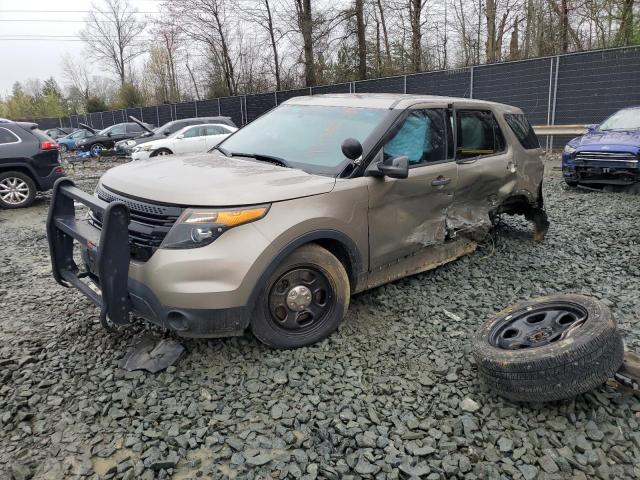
{"x":214,"y":130}
{"x":7,"y":136}
{"x":522,"y":129}
{"x":478,"y":134}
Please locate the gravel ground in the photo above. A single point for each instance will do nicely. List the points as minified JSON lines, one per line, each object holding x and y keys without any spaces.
{"x":393,"y":394}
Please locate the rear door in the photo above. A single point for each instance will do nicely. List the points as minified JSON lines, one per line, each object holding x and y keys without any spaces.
{"x":408,"y":215}
{"x":485,"y":170}
{"x":214,"y":134}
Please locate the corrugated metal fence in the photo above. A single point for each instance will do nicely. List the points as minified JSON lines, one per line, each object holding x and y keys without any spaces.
{"x":576,"y":88}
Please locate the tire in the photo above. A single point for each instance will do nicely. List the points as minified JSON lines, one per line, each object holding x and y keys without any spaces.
{"x":62,"y":148}
{"x":161,"y":152}
{"x":329,"y":297}
{"x":590,"y":354}
{"x":17,"y":190}
{"x":95,"y":148}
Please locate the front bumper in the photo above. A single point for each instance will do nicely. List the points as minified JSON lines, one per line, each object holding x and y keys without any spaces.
{"x":140,"y":155}
{"x":112,"y":281}
{"x":600,"y":171}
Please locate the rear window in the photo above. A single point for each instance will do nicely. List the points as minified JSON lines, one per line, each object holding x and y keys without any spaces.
{"x":478,"y":134}
{"x":7,"y":137}
{"x":524,"y":132}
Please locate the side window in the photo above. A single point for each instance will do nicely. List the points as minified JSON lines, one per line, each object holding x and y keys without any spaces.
{"x":421,"y":138}
{"x":524,"y":132}
{"x":118,"y":130}
{"x":133,"y":128}
{"x":7,"y":137}
{"x":192,"y":132}
{"x":478,"y":134}
{"x":214,"y":130}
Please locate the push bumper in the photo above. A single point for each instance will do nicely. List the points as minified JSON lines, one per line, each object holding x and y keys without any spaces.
{"x":106,"y":281}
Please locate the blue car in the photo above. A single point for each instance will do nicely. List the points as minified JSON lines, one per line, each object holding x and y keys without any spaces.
{"x":608,"y":154}
{"x":68,"y":143}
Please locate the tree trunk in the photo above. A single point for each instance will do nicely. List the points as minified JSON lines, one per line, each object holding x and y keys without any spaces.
{"x":415,"y":19}
{"x":625,"y":33}
{"x":362,"y":42}
{"x":274,"y":46}
{"x":305,"y":24}
{"x":385,"y":36}
{"x":490,"y":45}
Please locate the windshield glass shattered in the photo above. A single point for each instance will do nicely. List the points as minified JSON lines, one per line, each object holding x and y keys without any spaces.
{"x":627,"y":119}
{"x":308,"y":137}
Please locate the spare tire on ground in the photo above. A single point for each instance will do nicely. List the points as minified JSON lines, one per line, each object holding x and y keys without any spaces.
{"x":549,"y":348}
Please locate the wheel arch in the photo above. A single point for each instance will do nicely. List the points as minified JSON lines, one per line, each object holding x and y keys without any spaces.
{"x":157,"y":150}
{"x":337,"y":243}
{"x":21,"y":168}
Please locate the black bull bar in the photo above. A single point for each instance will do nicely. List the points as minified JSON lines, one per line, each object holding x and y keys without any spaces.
{"x":107,"y":248}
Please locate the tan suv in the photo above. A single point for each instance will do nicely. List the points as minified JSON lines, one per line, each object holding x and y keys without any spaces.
{"x":320,"y":198}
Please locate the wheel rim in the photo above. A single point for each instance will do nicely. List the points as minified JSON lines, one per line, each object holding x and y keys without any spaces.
{"x":14,"y":190}
{"x":63,"y":148}
{"x":301,"y":299}
{"x":538,"y":326}
{"x":96,"y":150}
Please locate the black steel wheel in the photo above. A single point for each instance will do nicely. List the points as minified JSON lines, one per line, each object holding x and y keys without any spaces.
{"x":303,"y":301}
{"x":549,"y":348}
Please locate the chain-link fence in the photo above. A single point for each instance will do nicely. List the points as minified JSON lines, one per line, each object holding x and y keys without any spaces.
{"x":576,"y":88}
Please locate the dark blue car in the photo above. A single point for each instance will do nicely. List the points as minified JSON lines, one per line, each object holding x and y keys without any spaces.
{"x":608,"y":154}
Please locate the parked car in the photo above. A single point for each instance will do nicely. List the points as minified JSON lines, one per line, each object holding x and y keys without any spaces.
{"x":608,"y":153}
{"x":68,"y":143}
{"x":58,"y":132}
{"x":320,"y":198}
{"x":194,"y":139}
{"x":126,"y":147}
{"x":107,"y":138}
{"x":29,"y":163}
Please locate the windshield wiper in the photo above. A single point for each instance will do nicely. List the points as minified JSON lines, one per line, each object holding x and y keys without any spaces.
{"x":226,"y":152}
{"x":262,"y":157}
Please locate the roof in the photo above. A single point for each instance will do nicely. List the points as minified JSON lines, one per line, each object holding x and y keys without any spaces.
{"x":379,"y":100}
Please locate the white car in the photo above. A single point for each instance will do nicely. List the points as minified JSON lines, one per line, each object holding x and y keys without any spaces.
{"x":191,"y":139}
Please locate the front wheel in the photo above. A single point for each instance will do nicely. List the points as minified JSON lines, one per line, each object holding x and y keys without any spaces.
{"x":17,"y":190}
{"x":161,"y":152}
{"x":97,"y":149}
{"x":303,"y":301}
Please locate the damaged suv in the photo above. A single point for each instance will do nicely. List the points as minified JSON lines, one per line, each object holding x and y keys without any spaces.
{"x":320,"y":198}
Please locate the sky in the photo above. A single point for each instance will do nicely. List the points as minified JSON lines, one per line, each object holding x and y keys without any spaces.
{"x":26,"y":27}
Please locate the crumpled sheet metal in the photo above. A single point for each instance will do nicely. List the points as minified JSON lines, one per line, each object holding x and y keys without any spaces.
{"x":629,"y":373}
{"x":151,"y":354}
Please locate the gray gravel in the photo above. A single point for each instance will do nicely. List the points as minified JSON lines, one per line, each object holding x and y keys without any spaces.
{"x":393,"y":394}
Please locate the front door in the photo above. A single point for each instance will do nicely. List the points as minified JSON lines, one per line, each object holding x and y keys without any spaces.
{"x":408,"y":215}
{"x":192,"y":141}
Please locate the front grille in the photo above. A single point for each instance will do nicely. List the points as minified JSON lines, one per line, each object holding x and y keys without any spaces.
{"x":150,"y":222}
{"x":624,"y":157}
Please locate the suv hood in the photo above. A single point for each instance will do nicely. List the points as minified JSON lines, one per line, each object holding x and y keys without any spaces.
{"x":626,"y":140}
{"x":212,"y":180}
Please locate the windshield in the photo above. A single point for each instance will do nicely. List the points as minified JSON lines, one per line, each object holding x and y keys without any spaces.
{"x":105,"y":131}
{"x":308,"y":137}
{"x":627,"y":119}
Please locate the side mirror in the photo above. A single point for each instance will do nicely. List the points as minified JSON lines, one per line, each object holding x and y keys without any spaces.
{"x":352,"y":148}
{"x":592,"y":128}
{"x":395,"y":167}
{"x":180,"y":137}
{"x":109,"y":134}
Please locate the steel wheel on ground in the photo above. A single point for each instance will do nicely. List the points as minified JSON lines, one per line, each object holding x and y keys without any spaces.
{"x":303,"y":301}
{"x":17,"y":190}
{"x":549,"y":348}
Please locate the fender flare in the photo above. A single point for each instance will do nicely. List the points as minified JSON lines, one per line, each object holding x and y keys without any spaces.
{"x":355,"y":258}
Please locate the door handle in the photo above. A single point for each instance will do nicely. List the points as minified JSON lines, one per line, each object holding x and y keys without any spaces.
{"x":440,"y":181}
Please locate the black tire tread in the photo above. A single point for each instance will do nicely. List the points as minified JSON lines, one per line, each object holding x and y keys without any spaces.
{"x":559,"y":371}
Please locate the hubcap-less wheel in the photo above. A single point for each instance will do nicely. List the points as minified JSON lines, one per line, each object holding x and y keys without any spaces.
{"x":300,"y":299}
{"x":14,"y":190}
{"x":538,"y":326}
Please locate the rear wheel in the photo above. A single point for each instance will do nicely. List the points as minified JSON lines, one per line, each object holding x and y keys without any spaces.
{"x":17,"y":190}
{"x":303,"y":301}
{"x":63,"y":148}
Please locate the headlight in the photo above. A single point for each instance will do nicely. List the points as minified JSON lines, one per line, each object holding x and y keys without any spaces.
{"x":130,"y":143}
{"x":569,"y":149}
{"x":199,"y":227}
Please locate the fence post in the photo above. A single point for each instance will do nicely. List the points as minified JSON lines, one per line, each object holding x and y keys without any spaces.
{"x":471,"y":83}
{"x":195,"y":104}
{"x":555,"y":96}
{"x":157,"y":115}
{"x":549,"y":100}
{"x":219,"y":109}
{"x":405,"y":85}
{"x":275,"y":96}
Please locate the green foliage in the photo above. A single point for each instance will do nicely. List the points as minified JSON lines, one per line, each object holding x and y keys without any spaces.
{"x":130,"y":96}
{"x":96,"y":104}
{"x":46,"y":102}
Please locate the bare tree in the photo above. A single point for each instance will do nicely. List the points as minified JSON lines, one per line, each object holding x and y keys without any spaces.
{"x":77,"y":75}
{"x":305,"y":27}
{"x":112,"y":35}
{"x":362,"y":41}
